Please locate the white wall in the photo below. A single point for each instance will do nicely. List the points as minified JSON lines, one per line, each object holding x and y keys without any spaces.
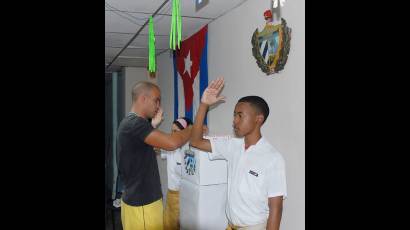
{"x":230,"y":56}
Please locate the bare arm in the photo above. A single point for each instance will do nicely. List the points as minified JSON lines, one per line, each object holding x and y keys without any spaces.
{"x":275,"y":212}
{"x":167,"y":141}
{"x":197,"y":140}
{"x":209,"y":97}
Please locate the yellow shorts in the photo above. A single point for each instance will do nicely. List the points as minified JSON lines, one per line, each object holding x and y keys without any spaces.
{"x":261,"y":226}
{"x":148,"y":217}
{"x":171,"y":213}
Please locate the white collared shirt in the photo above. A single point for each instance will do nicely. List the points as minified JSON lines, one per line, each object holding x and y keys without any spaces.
{"x":174,"y":167}
{"x":254,"y":175}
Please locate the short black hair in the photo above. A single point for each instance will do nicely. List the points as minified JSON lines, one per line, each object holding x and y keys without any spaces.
{"x":259,"y":104}
{"x":188,"y":121}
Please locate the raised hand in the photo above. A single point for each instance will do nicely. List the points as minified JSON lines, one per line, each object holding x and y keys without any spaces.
{"x":210,"y":95}
{"x":157,"y":119}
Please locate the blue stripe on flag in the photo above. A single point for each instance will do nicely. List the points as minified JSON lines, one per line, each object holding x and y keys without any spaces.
{"x":188,"y":113}
{"x":175,"y":88}
{"x":203,"y":83}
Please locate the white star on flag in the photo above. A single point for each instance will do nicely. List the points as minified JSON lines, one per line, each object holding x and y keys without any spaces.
{"x":188,"y":64}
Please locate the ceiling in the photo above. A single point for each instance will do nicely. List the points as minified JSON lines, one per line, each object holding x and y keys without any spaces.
{"x":123,"y":18}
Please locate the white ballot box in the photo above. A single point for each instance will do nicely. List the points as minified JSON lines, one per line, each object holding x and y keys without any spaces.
{"x":202,"y":207}
{"x":198,"y":169}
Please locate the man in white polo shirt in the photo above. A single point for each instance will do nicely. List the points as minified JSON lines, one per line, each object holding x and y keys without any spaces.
{"x":256,"y":170}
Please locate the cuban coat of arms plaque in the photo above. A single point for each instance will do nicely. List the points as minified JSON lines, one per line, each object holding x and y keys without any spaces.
{"x":271,"y":46}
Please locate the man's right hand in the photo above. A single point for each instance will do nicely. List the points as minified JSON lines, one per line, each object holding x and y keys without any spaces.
{"x":210,"y":95}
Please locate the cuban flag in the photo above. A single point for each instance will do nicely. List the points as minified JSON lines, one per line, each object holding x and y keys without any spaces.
{"x":190,"y":74}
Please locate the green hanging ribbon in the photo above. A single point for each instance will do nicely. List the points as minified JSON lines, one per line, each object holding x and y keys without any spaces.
{"x":151,"y":46}
{"x":176,"y":25}
{"x":179,"y":23}
{"x":172,"y":30}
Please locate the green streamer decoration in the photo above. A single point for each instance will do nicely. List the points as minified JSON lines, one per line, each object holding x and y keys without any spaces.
{"x":176,"y":26}
{"x":151,"y":46}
